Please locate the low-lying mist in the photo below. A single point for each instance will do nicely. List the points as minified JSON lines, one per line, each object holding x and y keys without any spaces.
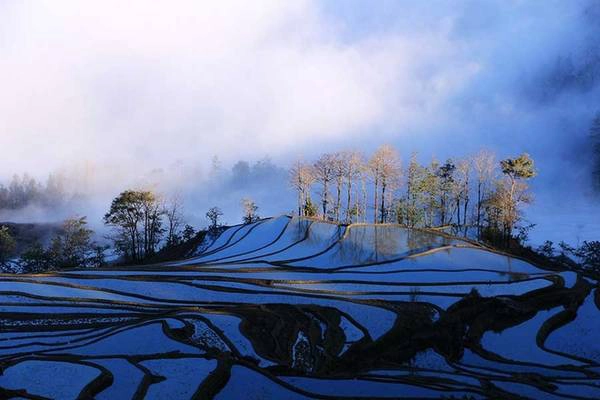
{"x":215,"y":183}
{"x":199,"y":187}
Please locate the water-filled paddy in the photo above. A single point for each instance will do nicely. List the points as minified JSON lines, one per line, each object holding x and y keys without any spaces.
{"x":289,"y":308}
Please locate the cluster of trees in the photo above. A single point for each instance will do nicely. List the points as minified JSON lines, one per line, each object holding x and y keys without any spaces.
{"x":142,"y":223}
{"x":8,"y":245}
{"x":245,"y":175}
{"x":474,"y":192}
{"x":24,"y":190}
{"x":141,"y":220}
{"x":71,"y":246}
{"x":586,"y":257}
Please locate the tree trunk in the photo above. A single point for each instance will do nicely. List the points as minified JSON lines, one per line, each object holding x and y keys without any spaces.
{"x":133,"y":244}
{"x":338,"y":204}
{"x":376,"y":199}
{"x":443,"y":209}
{"x":348,"y":200}
{"x":458,"y":211}
{"x":325,"y":200}
{"x":479,"y":209}
{"x":364,"y":205}
{"x":382,"y":211}
{"x":465,"y":209}
{"x":512,"y":207}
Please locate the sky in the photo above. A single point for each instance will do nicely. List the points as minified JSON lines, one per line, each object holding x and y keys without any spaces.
{"x":132,"y":87}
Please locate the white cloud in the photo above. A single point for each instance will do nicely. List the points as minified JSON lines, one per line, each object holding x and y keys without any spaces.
{"x":149,"y":81}
{"x":140,"y":84}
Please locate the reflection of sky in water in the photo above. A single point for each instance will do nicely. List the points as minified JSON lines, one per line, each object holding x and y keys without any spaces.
{"x":274,"y":322}
{"x":584,"y":328}
{"x":369,"y":244}
{"x":515,"y":343}
{"x":248,"y":240}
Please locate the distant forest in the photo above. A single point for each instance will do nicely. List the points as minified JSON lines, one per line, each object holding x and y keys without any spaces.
{"x":23,"y":191}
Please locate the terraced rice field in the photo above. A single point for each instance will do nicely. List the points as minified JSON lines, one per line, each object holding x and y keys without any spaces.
{"x":291,"y":308}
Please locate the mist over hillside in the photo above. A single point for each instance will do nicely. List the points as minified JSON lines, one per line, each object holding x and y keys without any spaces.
{"x":200,"y":187}
{"x":146,"y":97}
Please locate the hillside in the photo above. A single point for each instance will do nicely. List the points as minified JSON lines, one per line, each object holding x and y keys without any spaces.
{"x":305,"y":309}
{"x":26,"y":234}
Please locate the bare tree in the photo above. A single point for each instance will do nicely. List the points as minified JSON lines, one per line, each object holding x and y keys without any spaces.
{"x":152,"y":214}
{"x":250,"y":211}
{"x":324,"y":174}
{"x":173,"y":211}
{"x":502,"y":207}
{"x":353,"y":171}
{"x":302,"y":178}
{"x":374,"y":168}
{"x":340,"y":165}
{"x":483,"y":165}
{"x":463,"y":171}
{"x":385,"y":169}
{"x":213,"y":215}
